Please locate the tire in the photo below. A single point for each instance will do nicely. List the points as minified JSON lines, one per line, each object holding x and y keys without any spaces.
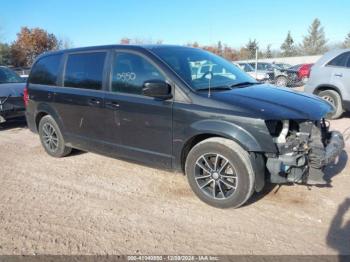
{"x":334,"y":98}
{"x":238,"y":174}
{"x":281,"y":81}
{"x":51,"y":138}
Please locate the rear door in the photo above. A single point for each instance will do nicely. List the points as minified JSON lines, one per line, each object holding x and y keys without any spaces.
{"x":340,"y":73}
{"x":80,"y":101}
{"x":140,"y":126}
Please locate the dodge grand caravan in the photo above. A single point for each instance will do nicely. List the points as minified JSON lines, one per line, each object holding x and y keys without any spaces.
{"x":228,"y":133}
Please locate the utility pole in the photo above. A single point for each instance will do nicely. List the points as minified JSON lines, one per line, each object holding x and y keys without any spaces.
{"x":256,"y":63}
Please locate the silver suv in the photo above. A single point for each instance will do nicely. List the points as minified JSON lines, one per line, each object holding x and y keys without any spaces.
{"x":330,"y":79}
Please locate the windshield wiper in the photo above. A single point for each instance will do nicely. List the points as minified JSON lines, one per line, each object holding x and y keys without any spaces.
{"x":218,"y":88}
{"x":245,"y":84}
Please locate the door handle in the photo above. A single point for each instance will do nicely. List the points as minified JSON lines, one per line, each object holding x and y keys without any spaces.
{"x":338,"y":74}
{"x":112,"y":105}
{"x":94,"y":102}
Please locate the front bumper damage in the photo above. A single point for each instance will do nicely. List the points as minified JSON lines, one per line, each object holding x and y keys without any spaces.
{"x":11,"y":107}
{"x":305,"y":149}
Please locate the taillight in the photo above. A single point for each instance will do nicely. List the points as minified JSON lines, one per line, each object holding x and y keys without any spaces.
{"x":25,"y":96}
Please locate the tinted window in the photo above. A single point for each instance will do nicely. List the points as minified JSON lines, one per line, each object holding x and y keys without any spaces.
{"x":130,"y":71}
{"x":340,"y":60}
{"x":45,"y":71}
{"x":85,"y":70}
{"x":9,"y":76}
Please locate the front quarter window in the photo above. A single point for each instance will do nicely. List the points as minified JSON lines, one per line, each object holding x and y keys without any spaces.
{"x":199,"y":68}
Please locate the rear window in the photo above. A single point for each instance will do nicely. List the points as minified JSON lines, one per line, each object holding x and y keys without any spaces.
{"x":85,"y":70}
{"x":340,"y":60}
{"x":45,"y":71}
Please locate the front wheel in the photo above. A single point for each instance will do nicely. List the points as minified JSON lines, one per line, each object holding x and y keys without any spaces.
{"x":220,"y":173}
{"x":51,"y":138}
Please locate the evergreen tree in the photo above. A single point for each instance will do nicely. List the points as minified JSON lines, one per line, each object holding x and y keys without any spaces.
{"x":315,"y":42}
{"x":288,"y":48}
{"x":268,"y":53}
{"x":251,"y":47}
{"x":5,"y":54}
{"x":220,"y":50}
{"x":346,"y":43}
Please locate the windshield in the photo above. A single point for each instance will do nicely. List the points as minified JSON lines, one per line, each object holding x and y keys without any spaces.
{"x":201,"y":69}
{"x":9,"y":76}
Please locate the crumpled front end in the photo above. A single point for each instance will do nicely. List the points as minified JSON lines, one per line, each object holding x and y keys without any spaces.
{"x":11,"y":107}
{"x":305,"y":148}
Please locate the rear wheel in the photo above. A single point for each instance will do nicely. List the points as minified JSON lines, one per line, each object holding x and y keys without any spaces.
{"x":334,"y":98}
{"x":51,"y":138}
{"x":220,"y":173}
{"x":282,"y":81}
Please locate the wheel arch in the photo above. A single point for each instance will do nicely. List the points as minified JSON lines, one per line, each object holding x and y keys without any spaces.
{"x":324,"y":87}
{"x":44,"y":110}
{"x":217,"y":128}
{"x":257,"y":159}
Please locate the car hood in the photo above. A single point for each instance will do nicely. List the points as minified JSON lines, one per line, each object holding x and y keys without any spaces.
{"x":275,"y":103}
{"x":11,"y":89}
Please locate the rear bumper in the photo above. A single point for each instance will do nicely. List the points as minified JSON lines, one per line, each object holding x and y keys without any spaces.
{"x":11,"y":107}
{"x":10,"y":114}
{"x":31,"y":122}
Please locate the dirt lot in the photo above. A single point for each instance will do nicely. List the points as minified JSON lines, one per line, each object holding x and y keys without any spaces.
{"x":91,"y":204}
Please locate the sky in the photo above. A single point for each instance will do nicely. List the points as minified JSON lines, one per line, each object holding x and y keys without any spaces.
{"x":233,"y":22}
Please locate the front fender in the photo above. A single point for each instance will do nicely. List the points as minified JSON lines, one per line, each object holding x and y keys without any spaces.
{"x":227,"y":130}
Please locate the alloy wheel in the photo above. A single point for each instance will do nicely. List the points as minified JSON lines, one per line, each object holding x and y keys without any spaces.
{"x":50,"y":138}
{"x":215,"y":176}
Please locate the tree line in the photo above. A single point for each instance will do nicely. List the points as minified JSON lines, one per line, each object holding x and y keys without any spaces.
{"x":31,"y":42}
{"x":314,"y":43}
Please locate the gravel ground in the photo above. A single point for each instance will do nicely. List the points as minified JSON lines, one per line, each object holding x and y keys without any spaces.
{"x":91,"y":204}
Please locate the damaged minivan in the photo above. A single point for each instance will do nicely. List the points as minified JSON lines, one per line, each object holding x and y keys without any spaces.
{"x":227,"y":132}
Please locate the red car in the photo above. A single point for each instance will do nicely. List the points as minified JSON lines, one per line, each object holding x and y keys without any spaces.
{"x":303,"y":71}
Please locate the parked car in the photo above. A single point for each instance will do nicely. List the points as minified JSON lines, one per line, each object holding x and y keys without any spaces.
{"x":261,"y":76}
{"x":330,"y":79}
{"x":22,"y":71}
{"x":303,"y":71}
{"x":11,"y":95}
{"x":142,"y":103}
{"x":283,"y":65}
{"x":282,"y":77}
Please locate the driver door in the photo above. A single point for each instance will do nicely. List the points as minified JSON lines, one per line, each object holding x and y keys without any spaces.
{"x":144,"y":123}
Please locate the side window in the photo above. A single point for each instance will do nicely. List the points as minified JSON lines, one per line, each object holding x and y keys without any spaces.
{"x":340,"y":60}
{"x":130,"y":71}
{"x":45,"y":71}
{"x":348,"y":63}
{"x":85,"y":70}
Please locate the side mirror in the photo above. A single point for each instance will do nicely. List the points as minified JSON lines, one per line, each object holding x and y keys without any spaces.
{"x":157,"y":89}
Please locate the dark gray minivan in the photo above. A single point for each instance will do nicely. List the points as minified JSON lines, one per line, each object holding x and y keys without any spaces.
{"x":155,"y":105}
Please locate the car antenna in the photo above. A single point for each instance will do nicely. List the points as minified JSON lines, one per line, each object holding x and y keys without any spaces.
{"x":210,"y":76}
